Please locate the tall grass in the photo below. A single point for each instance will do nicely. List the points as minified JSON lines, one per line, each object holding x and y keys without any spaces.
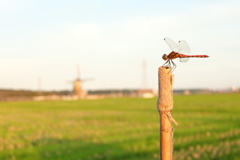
{"x":123,"y":128}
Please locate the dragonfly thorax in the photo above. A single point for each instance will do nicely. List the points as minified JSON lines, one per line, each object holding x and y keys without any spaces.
{"x":165,"y":57}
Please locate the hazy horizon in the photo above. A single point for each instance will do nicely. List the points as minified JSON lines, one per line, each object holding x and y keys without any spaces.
{"x":109,"y":40}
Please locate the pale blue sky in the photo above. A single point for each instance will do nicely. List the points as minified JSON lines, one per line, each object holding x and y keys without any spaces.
{"x":110,"y":39}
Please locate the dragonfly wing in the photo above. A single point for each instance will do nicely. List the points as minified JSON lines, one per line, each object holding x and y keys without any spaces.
{"x":172,"y":45}
{"x":183,"y":49}
{"x":184,"y":59}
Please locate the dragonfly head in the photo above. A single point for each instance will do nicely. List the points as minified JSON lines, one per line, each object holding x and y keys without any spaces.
{"x":164,"y":57}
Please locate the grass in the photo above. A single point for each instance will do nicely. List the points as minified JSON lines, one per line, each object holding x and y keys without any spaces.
{"x":123,"y":128}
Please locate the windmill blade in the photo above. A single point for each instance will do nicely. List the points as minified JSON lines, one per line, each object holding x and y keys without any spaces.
{"x":78,"y":71}
{"x":87,"y":79}
{"x":69,"y":81}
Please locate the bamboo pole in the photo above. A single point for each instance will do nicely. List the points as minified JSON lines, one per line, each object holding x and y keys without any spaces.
{"x":165,"y":106}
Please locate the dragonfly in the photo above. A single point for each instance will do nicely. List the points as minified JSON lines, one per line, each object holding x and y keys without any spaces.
{"x":180,"y":50}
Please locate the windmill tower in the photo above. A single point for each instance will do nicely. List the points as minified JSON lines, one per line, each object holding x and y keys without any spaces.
{"x":77,"y":84}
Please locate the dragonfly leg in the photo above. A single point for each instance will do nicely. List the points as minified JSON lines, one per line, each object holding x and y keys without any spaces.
{"x":174,"y":66}
{"x":167,"y":63}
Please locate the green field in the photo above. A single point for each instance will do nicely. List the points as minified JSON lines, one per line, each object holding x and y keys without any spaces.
{"x":119,"y":129}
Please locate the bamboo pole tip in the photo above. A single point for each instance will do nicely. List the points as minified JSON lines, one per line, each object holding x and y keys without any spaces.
{"x":165,"y":68}
{"x":165,"y":92}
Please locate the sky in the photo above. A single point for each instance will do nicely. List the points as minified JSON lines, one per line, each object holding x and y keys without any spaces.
{"x":44,"y":41}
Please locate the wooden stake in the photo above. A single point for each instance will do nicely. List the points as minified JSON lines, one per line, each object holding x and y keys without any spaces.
{"x":165,"y":106}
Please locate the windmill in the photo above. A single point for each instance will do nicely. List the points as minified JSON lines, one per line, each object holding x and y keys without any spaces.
{"x":144,"y":81}
{"x":77,"y":84}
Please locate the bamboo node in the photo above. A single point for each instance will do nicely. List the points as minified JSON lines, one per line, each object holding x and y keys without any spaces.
{"x":171,"y":119}
{"x":166,"y":130}
{"x":168,"y":113}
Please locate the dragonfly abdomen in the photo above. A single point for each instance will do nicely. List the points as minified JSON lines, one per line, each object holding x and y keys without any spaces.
{"x":196,"y":56}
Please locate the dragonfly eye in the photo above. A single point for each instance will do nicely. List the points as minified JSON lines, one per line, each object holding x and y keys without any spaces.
{"x":164,"y":57}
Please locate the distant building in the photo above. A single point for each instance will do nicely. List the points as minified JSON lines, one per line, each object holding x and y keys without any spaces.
{"x":234,"y":89}
{"x":147,"y":93}
{"x":186,"y":92}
